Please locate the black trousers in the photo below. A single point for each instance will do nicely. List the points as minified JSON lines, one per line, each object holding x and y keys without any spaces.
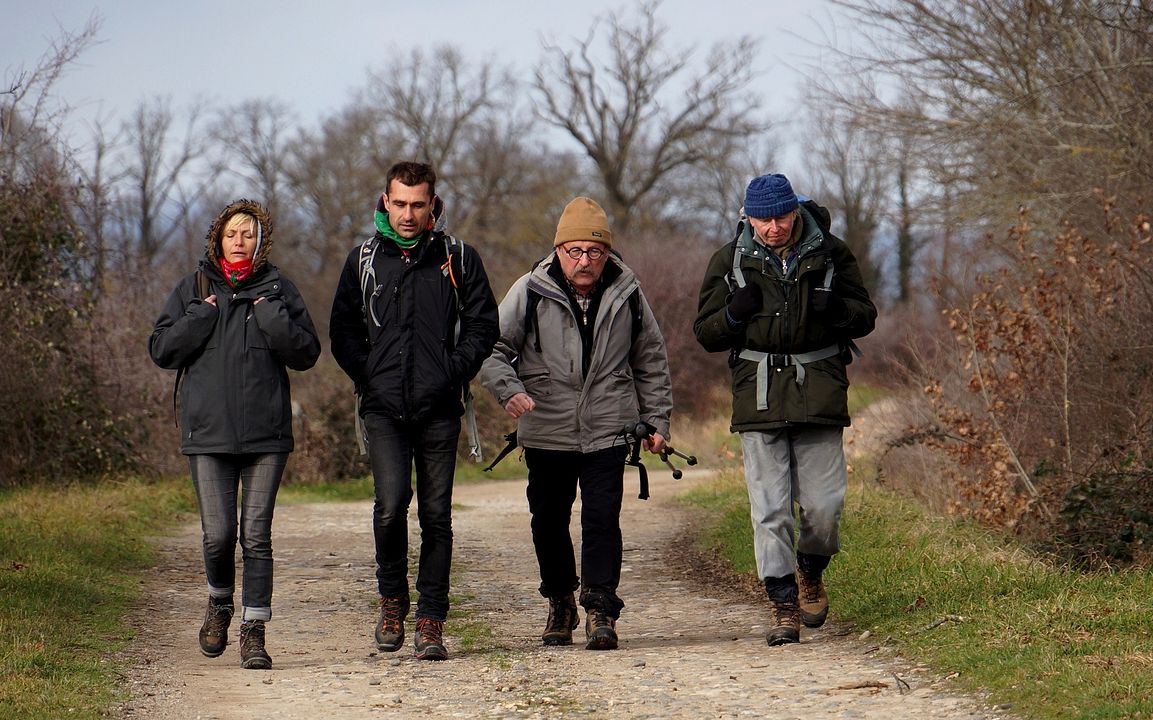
{"x":553,"y":478}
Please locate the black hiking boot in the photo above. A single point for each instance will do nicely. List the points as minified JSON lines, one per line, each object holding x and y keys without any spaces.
{"x":429,"y":641}
{"x":252,"y":653}
{"x":389,"y":634}
{"x":562,"y":620}
{"x":600,"y":630}
{"x":214,"y":631}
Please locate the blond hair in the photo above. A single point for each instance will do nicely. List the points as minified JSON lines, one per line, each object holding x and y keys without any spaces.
{"x":237,"y":219}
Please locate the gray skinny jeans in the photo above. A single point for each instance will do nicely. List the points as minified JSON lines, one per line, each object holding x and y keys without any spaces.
{"x":805,"y":465}
{"x":217,"y":479}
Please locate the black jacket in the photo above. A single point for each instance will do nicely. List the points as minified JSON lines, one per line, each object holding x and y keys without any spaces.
{"x":235,"y":395}
{"x":408,"y":366}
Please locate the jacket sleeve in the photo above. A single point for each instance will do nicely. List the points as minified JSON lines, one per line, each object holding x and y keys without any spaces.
{"x":650,"y":364}
{"x":498,"y":374}
{"x":346,"y":329}
{"x":710,"y":327}
{"x":285,"y":322}
{"x":479,"y":320}
{"x":184,"y":326}
{"x":859,"y":315}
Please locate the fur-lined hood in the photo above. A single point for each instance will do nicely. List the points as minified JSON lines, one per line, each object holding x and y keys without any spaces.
{"x":212,"y":240}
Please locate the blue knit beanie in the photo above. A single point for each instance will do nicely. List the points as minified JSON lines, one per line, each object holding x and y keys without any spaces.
{"x":769,"y":196}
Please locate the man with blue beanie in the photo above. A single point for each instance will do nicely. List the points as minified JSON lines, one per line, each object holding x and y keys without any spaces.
{"x":785,"y":299}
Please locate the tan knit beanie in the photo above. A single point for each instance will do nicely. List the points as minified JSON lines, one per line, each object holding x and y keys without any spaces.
{"x":583,"y":219}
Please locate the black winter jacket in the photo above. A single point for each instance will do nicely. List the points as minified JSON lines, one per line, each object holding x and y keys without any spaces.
{"x":402,"y":356}
{"x":235,"y":394}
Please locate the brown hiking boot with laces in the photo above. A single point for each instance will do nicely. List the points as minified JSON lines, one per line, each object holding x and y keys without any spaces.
{"x":600,"y":630}
{"x":252,"y":653}
{"x":429,"y":641}
{"x":786,"y":624}
{"x":562,"y":620}
{"x":813,"y":600}
{"x":389,"y":633}
{"x":214,"y":631}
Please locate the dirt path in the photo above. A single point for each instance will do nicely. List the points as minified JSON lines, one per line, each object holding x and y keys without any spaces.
{"x":688,"y":649}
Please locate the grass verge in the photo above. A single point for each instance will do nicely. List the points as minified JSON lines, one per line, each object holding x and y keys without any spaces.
{"x":1046,"y":641}
{"x":70,"y":561}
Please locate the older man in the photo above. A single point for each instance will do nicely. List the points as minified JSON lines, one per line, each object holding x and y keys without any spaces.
{"x":785,"y":299}
{"x":580,"y":358}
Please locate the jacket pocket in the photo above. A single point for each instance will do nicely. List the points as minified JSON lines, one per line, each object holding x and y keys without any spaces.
{"x":263,"y":394}
{"x":537,"y":384}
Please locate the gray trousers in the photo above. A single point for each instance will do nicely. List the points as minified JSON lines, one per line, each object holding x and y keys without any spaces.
{"x":805,"y":465}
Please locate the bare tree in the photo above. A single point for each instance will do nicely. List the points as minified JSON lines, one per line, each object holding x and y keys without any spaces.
{"x":29,"y":119}
{"x":159,"y":166}
{"x":1036,"y":102}
{"x":252,"y":138}
{"x":639,"y":114}
{"x":852,"y":174}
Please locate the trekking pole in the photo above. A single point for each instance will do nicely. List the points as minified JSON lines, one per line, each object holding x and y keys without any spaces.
{"x":689,"y":459}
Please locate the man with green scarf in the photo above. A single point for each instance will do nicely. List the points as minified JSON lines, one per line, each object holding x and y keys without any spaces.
{"x":412,"y":320}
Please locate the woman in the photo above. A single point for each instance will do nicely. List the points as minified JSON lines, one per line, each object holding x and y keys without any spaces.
{"x":231,"y":328}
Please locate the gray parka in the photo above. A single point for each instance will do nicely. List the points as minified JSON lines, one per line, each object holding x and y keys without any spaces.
{"x":235,"y":394}
{"x":626,"y":380}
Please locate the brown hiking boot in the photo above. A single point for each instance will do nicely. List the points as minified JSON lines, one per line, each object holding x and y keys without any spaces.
{"x":600,"y":630}
{"x":813,"y":600}
{"x":562,"y":620}
{"x":429,"y":641}
{"x":389,"y":633}
{"x":214,"y":631}
{"x":252,"y":653}
{"x":786,"y":624}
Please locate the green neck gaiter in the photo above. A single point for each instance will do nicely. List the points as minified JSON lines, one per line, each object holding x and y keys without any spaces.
{"x":382,"y":224}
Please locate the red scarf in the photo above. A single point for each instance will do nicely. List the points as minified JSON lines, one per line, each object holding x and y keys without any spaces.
{"x":236,"y":272}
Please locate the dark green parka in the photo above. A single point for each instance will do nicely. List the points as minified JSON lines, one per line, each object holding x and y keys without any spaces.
{"x":787,"y":325}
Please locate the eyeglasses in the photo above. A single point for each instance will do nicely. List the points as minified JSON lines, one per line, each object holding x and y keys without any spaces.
{"x":594,"y":253}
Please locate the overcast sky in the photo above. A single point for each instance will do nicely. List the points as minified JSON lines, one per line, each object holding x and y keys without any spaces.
{"x":311,"y":54}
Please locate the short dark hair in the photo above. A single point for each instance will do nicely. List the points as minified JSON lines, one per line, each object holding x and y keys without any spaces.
{"x":412,"y":174}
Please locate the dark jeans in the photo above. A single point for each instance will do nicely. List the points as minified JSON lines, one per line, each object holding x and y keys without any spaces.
{"x":553,"y":477}
{"x":395,"y":448}
{"x":217,"y":478}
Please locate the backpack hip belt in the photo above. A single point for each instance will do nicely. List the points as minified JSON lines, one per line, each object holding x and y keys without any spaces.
{"x":765,"y":361}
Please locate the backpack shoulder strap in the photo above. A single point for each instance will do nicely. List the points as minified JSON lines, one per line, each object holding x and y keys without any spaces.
{"x":203,"y":284}
{"x":531,"y":324}
{"x":368,"y":287}
{"x":453,"y":267}
{"x":637,"y":312}
{"x":202,"y":288}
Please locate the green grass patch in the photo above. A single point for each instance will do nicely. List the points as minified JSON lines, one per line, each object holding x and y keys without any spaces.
{"x":1047,"y":640}
{"x":69,"y":569}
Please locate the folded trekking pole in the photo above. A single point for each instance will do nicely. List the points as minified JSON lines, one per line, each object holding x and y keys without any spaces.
{"x":634,"y":435}
{"x":670,"y":450}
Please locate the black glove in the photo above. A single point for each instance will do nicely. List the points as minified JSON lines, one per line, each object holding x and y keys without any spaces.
{"x":744,"y":303}
{"x":825,"y":302}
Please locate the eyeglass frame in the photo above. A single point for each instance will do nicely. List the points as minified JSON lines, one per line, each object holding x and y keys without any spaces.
{"x":585,"y":252}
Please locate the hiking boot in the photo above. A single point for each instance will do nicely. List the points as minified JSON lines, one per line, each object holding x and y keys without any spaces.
{"x":214,"y":631}
{"x":389,"y":632}
{"x":562,"y":620}
{"x":813,"y":601}
{"x":429,"y":642}
{"x":600,"y":630}
{"x":786,"y":624}
{"x":252,"y":653}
